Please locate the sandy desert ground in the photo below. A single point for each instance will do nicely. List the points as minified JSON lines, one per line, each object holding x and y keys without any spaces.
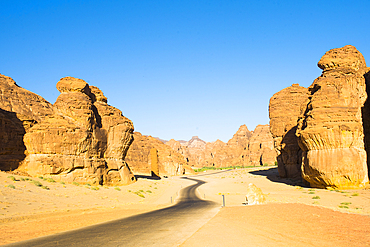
{"x":294,"y":215}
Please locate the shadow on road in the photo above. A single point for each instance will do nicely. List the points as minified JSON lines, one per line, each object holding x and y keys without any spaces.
{"x":147,"y":177}
{"x":272,"y":174}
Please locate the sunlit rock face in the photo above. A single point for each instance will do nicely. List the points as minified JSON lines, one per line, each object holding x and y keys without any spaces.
{"x":284,"y":110}
{"x":245,"y":148}
{"x":330,"y":129}
{"x":20,"y":109}
{"x":170,"y":161}
{"x":80,"y":138}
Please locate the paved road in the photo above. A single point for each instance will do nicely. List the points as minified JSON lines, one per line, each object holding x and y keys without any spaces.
{"x":165,"y":227}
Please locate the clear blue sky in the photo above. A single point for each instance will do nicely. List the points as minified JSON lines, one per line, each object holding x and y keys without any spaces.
{"x":178,"y":68}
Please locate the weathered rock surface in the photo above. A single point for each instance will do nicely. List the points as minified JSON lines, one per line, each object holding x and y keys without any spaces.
{"x":170,"y":161}
{"x":331,"y":128}
{"x":244,"y":149}
{"x":254,"y":195}
{"x":20,"y":109}
{"x":284,"y":110}
{"x":260,"y":149}
{"x":79,"y":138}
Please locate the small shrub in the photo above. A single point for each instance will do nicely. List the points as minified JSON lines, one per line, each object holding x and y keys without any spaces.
{"x":45,"y":187}
{"x":11,"y":186}
{"x":62,"y":182}
{"x":75,"y":183}
{"x":88,"y":184}
{"x":116,"y":188}
{"x":316,"y":197}
{"x":50,"y":180}
{"x":155,"y":188}
{"x":311,"y":192}
{"x":95,"y":188}
{"x":141,"y":195}
{"x":148,"y":191}
{"x":37,"y":183}
{"x":355,"y":194}
{"x":129,"y":190}
{"x":346,"y":203}
{"x":41,"y":177}
{"x":141,"y":190}
{"x":22,"y":179}
{"x":343,"y":206}
{"x":12,"y":178}
{"x":27,"y":179}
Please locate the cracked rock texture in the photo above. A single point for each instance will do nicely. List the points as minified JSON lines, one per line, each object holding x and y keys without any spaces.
{"x":80,"y":138}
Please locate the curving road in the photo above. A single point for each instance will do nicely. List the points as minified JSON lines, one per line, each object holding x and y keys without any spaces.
{"x":164,"y":227}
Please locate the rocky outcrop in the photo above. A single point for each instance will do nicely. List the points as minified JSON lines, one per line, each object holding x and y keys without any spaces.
{"x":284,"y":110}
{"x":79,"y":138}
{"x":244,"y":149}
{"x":260,"y":148}
{"x":330,"y":130}
{"x":20,"y":109}
{"x":170,"y":161}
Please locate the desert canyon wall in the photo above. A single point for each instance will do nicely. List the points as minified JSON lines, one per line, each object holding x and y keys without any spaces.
{"x":332,"y":127}
{"x":245,"y":148}
{"x":170,"y":162}
{"x":80,"y":138}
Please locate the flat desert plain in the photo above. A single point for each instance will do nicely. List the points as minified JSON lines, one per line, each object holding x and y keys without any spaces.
{"x":294,"y":215}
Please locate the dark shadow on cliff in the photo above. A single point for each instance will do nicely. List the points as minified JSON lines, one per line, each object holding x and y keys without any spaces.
{"x":272,"y":174}
{"x":366,"y":121}
{"x":147,"y":177}
{"x":12,"y":147}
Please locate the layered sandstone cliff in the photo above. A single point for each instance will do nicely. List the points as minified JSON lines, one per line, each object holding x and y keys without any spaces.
{"x":170,"y":161}
{"x":284,"y":110}
{"x":330,"y":130}
{"x":79,"y":138}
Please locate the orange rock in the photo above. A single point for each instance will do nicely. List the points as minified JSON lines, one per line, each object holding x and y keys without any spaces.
{"x":284,"y":110}
{"x":331,"y":128}
{"x":79,"y":138}
{"x":244,"y":149}
{"x":170,"y":161}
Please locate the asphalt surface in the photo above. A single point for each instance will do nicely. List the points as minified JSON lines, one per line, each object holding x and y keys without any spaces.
{"x":164,"y":227}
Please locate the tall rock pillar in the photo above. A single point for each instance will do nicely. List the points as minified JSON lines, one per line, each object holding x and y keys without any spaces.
{"x":284,"y":110}
{"x":330,"y":130}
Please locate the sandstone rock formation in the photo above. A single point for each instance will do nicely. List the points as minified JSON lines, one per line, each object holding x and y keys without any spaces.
{"x":254,"y":195}
{"x":170,"y":161}
{"x":284,"y":110}
{"x":260,"y":148}
{"x":331,"y":127}
{"x":20,"y":109}
{"x":244,"y":149}
{"x":79,"y":138}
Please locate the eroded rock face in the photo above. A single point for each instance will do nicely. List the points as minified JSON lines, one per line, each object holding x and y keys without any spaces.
{"x":260,"y":149}
{"x":284,"y":109}
{"x":244,"y":149}
{"x":20,"y":109}
{"x":79,"y":138}
{"x":330,"y":130}
{"x":170,"y":162}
